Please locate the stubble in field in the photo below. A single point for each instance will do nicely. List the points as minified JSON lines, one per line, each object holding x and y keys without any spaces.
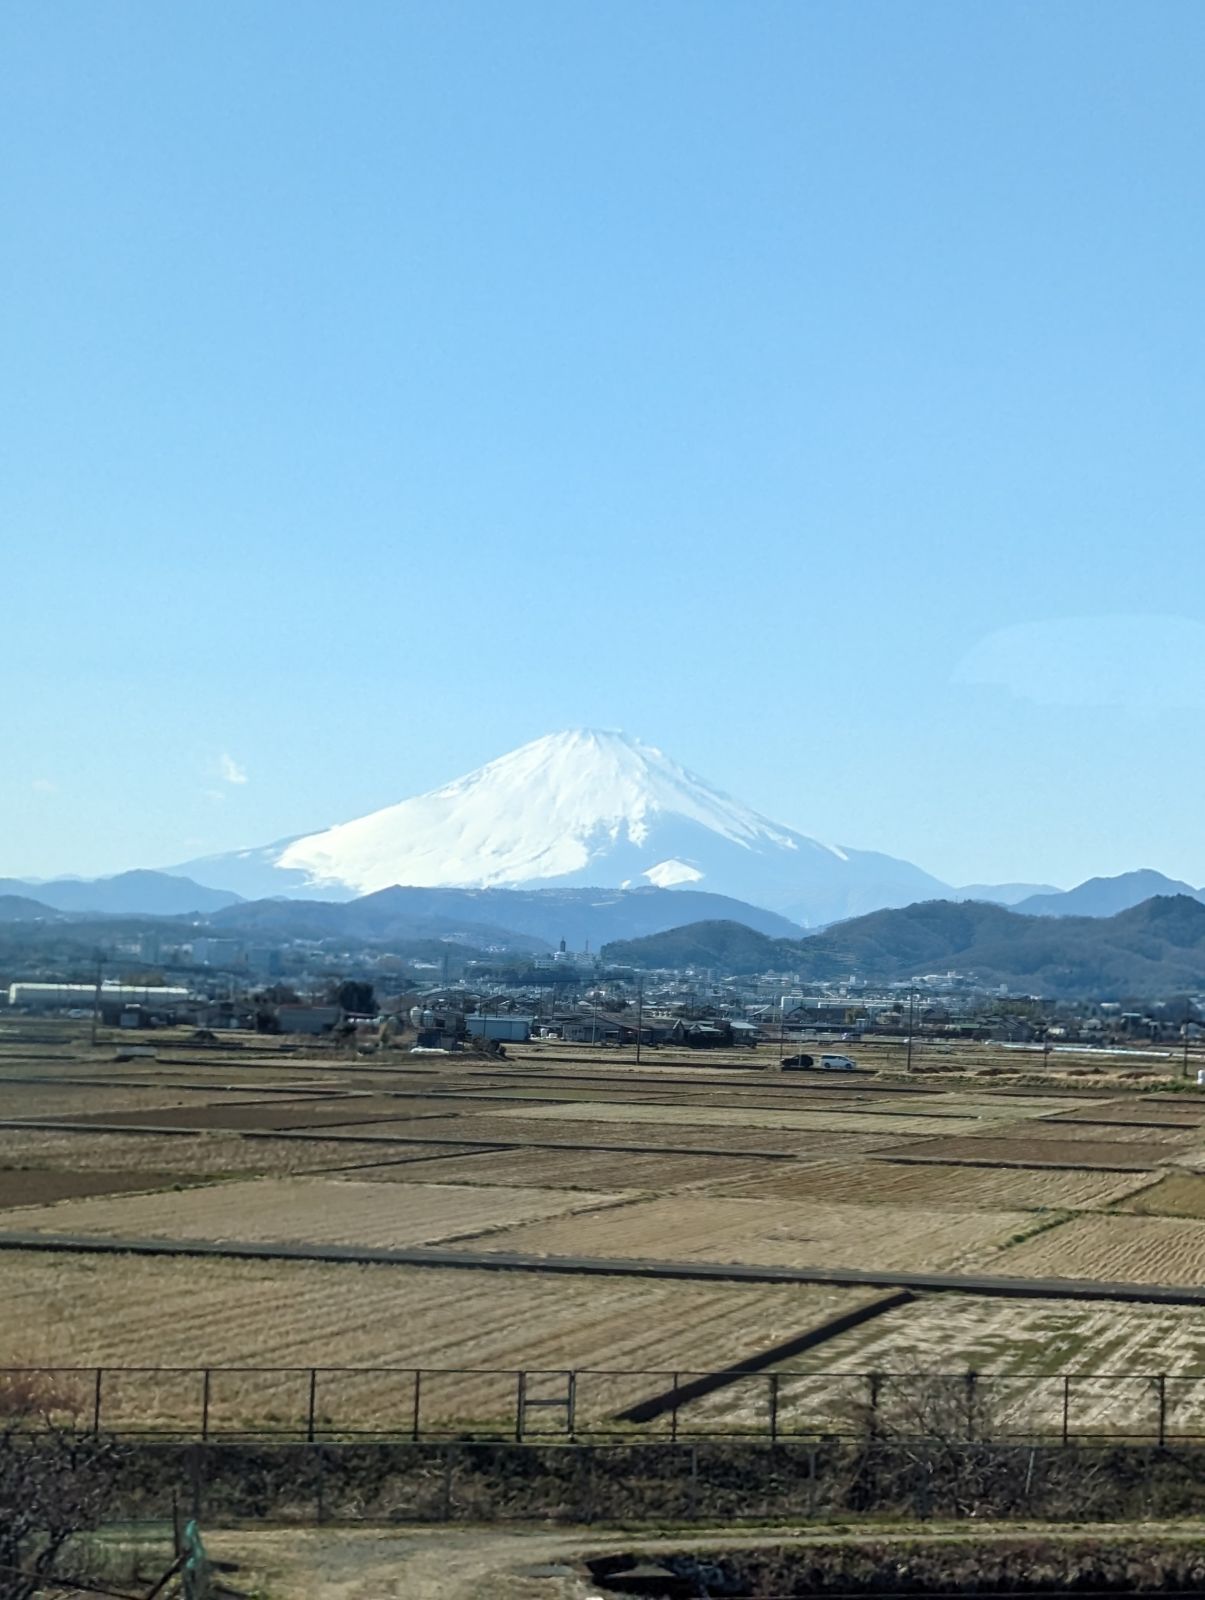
{"x":772,"y":1233}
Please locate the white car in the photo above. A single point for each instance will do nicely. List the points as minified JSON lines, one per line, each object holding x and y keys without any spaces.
{"x":838,"y":1064}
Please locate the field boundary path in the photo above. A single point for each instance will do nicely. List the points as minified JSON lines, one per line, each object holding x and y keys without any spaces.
{"x":603,"y":1266}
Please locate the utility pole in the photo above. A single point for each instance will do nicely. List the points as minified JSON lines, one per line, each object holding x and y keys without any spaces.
{"x":911,"y":1025}
{"x":96,"y":998}
{"x":1187,"y":1015}
{"x":639,"y":1017}
{"x":782,"y":1012}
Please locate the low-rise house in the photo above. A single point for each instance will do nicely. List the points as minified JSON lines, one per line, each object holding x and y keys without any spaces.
{"x":309,"y":1019}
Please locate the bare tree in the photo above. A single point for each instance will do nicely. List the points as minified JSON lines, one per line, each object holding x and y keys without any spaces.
{"x":57,"y":1484}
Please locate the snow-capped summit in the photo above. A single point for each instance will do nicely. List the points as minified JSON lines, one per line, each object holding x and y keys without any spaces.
{"x":580,"y":808}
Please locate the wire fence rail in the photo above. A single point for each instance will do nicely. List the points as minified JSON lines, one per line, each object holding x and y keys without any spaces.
{"x":315,"y":1404}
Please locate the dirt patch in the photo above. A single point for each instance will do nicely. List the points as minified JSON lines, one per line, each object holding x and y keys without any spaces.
{"x":40,"y":1186}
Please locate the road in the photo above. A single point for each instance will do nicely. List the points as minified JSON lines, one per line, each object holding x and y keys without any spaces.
{"x":616,"y":1267}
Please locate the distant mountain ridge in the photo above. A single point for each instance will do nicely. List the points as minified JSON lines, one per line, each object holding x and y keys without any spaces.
{"x":136,"y":893}
{"x":1155,"y":948}
{"x":531,"y":918}
{"x":20,"y":908}
{"x":1104,"y":897}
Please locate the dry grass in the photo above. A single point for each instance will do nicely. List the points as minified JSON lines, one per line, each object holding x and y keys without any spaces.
{"x":70,"y":1100}
{"x":525,"y":1129}
{"x":278,"y":1111}
{"x":823,"y":1120}
{"x":312,"y":1211}
{"x":126,"y":1311}
{"x":1133,"y":1249}
{"x":204,"y":1155}
{"x":1113,"y":1155}
{"x":1073,"y":1132}
{"x":771,"y":1233}
{"x":1022,"y":1352}
{"x":1179,"y":1194}
{"x":936,"y":1188}
{"x":573,"y":1169}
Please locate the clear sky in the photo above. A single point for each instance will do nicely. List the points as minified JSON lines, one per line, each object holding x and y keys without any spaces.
{"x":815,"y":390}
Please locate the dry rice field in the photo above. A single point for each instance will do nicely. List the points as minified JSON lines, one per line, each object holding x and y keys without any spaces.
{"x":1179,"y":1194}
{"x":575,"y":1169}
{"x":198,"y":1155}
{"x":1020,"y":1149}
{"x":553,"y":1155}
{"x":526,"y":1130}
{"x":87,"y":1311}
{"x":71,"y":1101}
{"x":312,"y":1211}
{"x":771,"y":1233}
{"x":936,"y":1188}
{"x":824,"y":1120}
{"x":1119,"y":1246}
{"x":1023,"y":1351}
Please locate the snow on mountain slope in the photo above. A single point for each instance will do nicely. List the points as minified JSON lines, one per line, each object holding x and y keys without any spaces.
{"x":581,"y":808}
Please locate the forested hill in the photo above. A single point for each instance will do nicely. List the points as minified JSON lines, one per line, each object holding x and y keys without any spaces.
{"x":1152,"y":949}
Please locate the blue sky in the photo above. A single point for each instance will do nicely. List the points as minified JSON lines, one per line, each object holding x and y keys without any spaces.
{"x":815,"y":390}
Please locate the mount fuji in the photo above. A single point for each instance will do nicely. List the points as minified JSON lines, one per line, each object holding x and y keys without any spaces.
{"x":576,"y":809}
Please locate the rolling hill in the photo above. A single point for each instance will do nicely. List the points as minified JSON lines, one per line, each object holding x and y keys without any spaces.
{"x":1156,"y":948}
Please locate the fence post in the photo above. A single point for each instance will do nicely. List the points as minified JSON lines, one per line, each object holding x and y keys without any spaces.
{"x":1066,"y":1407}
{"x":971,"y":1379}
{"x":1161,"y":1382}
{"x":874,"y":1382}
{"x":418,"y":1389}
{"x":196,"y":1482}
{"x":205,"y":1381}
{"x":774,"y":1408}
{"x":571,"y":1406}
{"x":309,"y":1421}
{"x":447,"y":1505}
{"x":520,"y":1405}
{"x":694,"y":1481}
{"x":588,"y":1508}
{"x":96,"y":1402}
{"x":673,"y":1420}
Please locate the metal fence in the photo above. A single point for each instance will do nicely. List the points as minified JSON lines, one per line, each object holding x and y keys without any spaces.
{"x":315,"y":1404}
